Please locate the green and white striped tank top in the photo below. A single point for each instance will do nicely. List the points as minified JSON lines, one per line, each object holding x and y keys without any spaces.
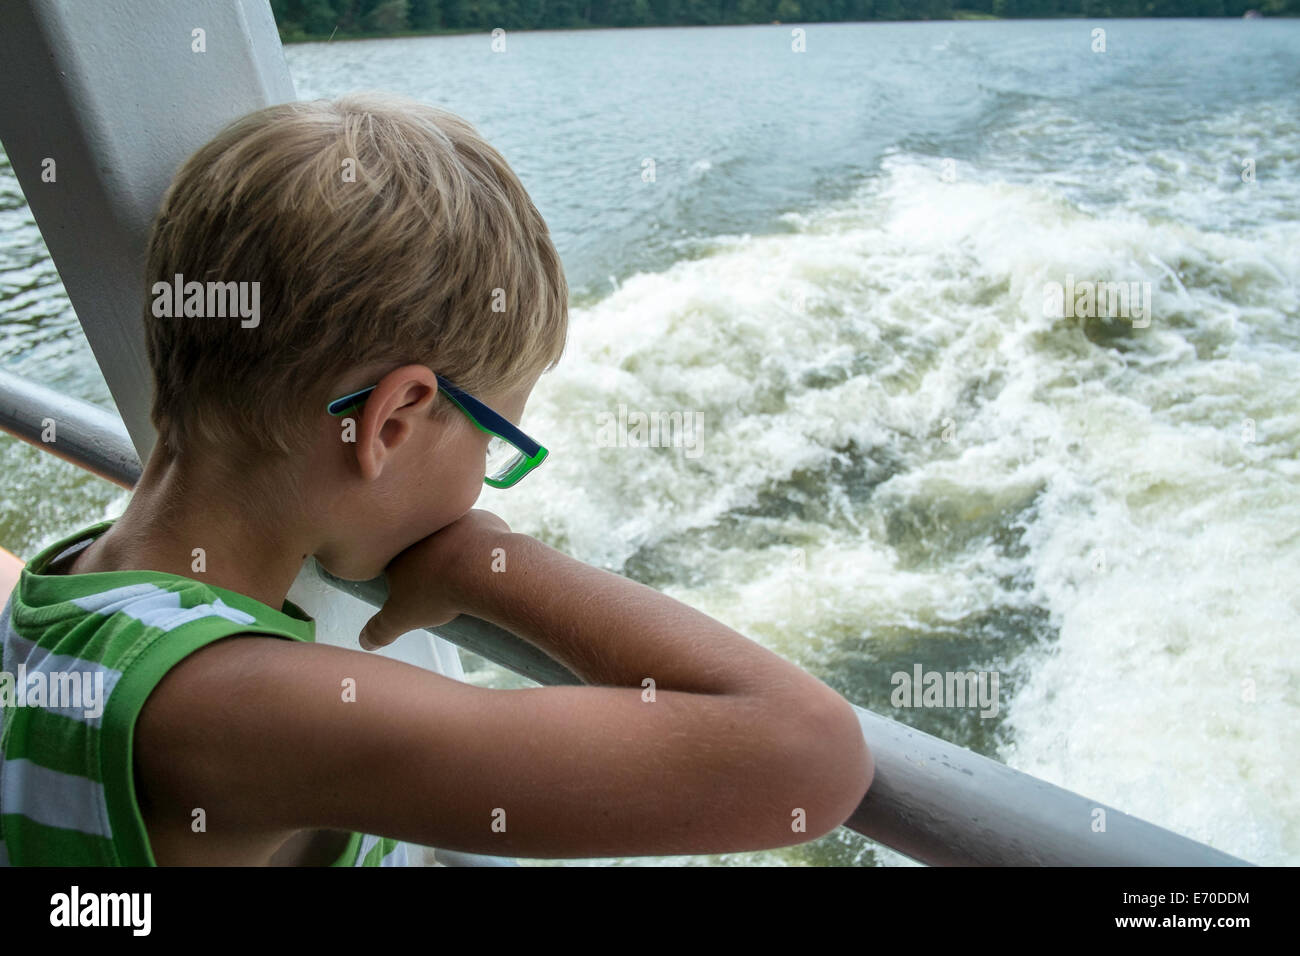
{"x":80,"y":655}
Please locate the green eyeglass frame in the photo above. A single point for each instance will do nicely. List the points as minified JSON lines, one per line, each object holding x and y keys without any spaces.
{"x":528,"y":454}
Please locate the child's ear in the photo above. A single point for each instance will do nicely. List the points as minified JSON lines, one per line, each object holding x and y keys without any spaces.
{"x":397,"y":408}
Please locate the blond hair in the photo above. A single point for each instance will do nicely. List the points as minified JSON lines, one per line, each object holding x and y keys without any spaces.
{"x":379,"y":230}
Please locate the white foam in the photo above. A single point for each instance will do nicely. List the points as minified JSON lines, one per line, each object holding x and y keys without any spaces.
{"x":923,"y":310}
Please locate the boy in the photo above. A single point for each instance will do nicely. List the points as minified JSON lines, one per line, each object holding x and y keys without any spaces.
{"x":381,"y":243}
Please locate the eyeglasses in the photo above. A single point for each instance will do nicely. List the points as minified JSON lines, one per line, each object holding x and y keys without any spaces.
{"x":511,"y":454}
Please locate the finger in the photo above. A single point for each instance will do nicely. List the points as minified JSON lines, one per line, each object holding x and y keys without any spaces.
{"x":380,"y":631}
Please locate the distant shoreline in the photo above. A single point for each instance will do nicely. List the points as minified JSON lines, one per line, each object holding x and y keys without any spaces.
{"x":957,"y":15}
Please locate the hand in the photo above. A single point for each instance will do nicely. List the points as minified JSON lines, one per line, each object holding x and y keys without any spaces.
{"x":427,"y":580}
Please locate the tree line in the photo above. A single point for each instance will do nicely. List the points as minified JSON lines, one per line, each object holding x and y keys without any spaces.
{"x":313,"y":19}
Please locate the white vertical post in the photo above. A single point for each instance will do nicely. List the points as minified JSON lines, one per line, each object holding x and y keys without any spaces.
{"x":103,"y":100}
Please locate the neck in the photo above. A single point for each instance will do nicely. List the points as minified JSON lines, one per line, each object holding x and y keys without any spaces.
{"x":249,"y":544}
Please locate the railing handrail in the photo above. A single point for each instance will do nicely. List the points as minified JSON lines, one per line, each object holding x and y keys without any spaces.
{"x":931,"y":800}
{"x":80,"y":432}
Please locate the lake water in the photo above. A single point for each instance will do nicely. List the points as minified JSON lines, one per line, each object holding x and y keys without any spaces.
{"x":839,"y":267}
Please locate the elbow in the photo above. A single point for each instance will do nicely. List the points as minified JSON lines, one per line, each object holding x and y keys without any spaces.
{"x":840,"y":763}
{"x":813,"y":769}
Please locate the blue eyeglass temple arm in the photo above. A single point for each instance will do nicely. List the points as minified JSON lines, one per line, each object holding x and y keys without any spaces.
{"x":482,"y":415}
{"x":350,"y":401}
{"x":488,"y":420}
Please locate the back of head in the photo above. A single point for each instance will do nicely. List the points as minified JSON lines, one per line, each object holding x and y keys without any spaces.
{"x":378,"y":230}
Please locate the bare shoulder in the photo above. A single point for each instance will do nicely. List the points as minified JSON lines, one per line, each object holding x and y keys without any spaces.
{"x":273,"y":737}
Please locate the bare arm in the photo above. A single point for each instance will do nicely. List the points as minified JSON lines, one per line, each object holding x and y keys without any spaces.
{"x":738,"y":750}
{"x":607,"y":629}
